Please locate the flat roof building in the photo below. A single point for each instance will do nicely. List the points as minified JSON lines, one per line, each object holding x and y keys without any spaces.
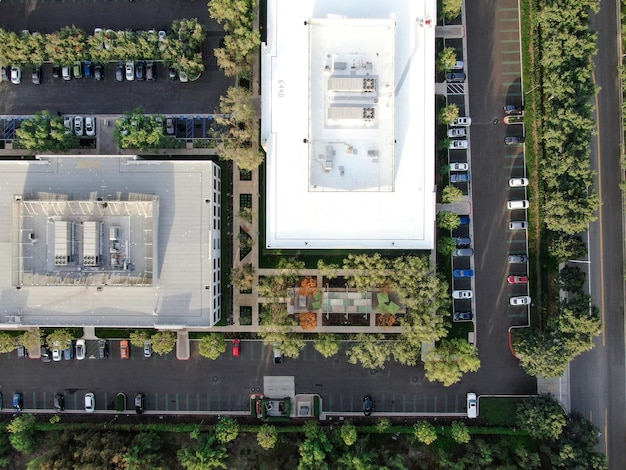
{"x":110,"y":241}
{"x":348,"y":124}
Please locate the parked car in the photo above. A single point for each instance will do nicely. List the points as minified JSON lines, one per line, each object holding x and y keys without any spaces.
{"x":459,"y":177}
{"x":521,"y":300}
{"x":513,"y":140}
{"x":5,"y":74}
{"x":80,"y":349}
{"x":37,"y":75}
{"x":457,"y":132}
{"x":171,"y":73}
{"x":464,"y":219}
{"x":183,"y":77}
{"x":130,"y":70}
{"x":90,"y":126}
{"x":90,"y":402}
{"x":512,"y":109}
{"x":140,"y":70}
{"x":236,"y":346}
{"x":518,"y":225}
{"x":44,"y":354}
{"x":518,"y":279}
{"x":461,"y":273}
{"x":455,"y":77}
{"x":16,"y":75}
{"x":457,"y":144}
{"x":56,"y":71}
{"x":140,"y":403}
{"x":169,"y":125}
{"x":463,"y":252}
{"x":150,"y":71}
{"x":512,"y":205}
{"x":458,"y":65}
{"x":68,"y":122}
{"x":88,"y":69}
{"x":518,"y":182}
{"x":462,"y":294}
{"x":59,"y":403}
{"x":162,"y":36}
{"x":368,"y":405}
{"x":462,"y":121}
{"x":461,"y":241}
{"x":21,"y":351}
{"x":517,"y":258}
{"x":77,"y":69}
{"x":459,"y":166}
{"x":124,"y":351}
{"x":18,"y":402}
{"x":66,"y":72}
{"x":463,"y":316}
{"x":472,"y":406}
{"x":78,"y":125}
{"x":103,"y":348}
{"x":119,"y":72}
{"x":68,"y":353}
{"x":57,"y":353}
{"x":147,"y":349}
{"x":278,"y":355}
{"x":98,"y":71}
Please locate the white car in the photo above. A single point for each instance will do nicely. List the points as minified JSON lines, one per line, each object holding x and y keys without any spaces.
{"x":457,"y":132}
{"x":462,"y":121}
{"x":130,"y":70}
{"x":462,"y":294}
{"x":511,"y":205}
{"x":80,"y":349}
{"x":458,"y":144}
{"x":183,"y":77}
{"x":162,"y":35}
{"x":521,"y":300}
{"x":90,"y":126}
{"x":78,"y":125}
{"x":16,"y":75}
{"x":518,"y":225}
{"x":458,"y":65}
{"x":459,"y":166}
{"x":518,"y":182}
{"x":90,"y":402}
{"x":57,"y":354}
{"x":472,"y":406}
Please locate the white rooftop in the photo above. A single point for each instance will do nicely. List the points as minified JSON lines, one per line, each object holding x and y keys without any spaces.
{"x":348,"y":124}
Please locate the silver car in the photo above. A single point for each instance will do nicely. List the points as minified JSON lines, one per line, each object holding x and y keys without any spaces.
{"x":130,"y":70}
{"x":90,"y":126}
{"x":90,"y":402}
{"x":463,"y":252}
{"x":78,"y":125}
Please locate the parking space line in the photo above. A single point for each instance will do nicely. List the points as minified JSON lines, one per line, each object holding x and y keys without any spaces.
{"x":383,"y":400}
{"x":414,"y":403}
{"x":512,"y":51}
{"x":229,"y":401}
{"x":456,"y":403}
{"x":514,"y":155}
{"x":517,"y":241}
{"x":341,"y":402}
{"x":34,"y":400}
{"x":187,"y":400}
{"x":156,"y":401}
{"x":330,"y":402}
{"x":393,"y":403}
{"x":435,"y":399}
{"x":509,"y":41}
{"x":514,"y":167}
{"x":44,"y":401}
{"x":445,"y":404}
{"x":208,"y":401}
{"x":508,"y":9}
{"x":509,"y":20}
{"x":517,"y":315}
{"x":197,"y":402}
{"x":352,"y":402}
{"x":219,"y":401}
{"x":510,"y":84}
{"x":167,"y":401}
{"x":425,"y":406}
{"x":513,"y":72}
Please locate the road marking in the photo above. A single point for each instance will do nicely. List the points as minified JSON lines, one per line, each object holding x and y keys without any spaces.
{"x":445,"y":404}
{"x":599,"y":153}
{"x":515,"y":72}
{"x":606,"y":432}
{"x":508,"y":9}
{"x":515,"y":30}
{"x":187,"y":401}
{"x":167,"y":402}
{"x":404,"y":403}
{"x":509,"y":20}
{"x":509,"y":41}
{"x":508,"y":84}
{"x":352,"y":402}
{"x":435,"y":403}
{"x":197,"y":402}
{"x":219,"y":401}
{"x":330,"y":402}
{"x":512,"y":51}
{"x":208,"y":401}
{"x":414,"y":403}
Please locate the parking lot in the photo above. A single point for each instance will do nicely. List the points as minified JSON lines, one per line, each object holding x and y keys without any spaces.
{"x":107,"y":96}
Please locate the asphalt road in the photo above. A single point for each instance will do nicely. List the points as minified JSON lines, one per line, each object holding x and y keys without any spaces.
{"x":494,"y":74}
{"x":88,"y":96}
{"x":597,"y":377}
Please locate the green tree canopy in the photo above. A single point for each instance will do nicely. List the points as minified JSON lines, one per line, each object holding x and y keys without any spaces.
{"x":42,"y":132}
{"x":226,"y":429}
{"x":327,"y":344}
{"x":8,"y":343}
{"x":267,"y":436}
{"x":206,"y":454}
{"x":542,"y":417}
{"x":348,"y":434}
{"x":163,"y":342}
{"x":460,"y":433}
{"x":369,"y":350}
{"x":424,"y":432}
{"x":61,"y":339}
{"x":448,"y":114}
{"x":449,"y":360}
{"x":212,"y":346}
{"x":446,"y":59}
{"x":448,"y":220}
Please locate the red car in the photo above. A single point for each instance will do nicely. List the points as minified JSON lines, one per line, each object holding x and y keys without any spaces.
{"x":518,"y":279}
{"x":236,"y":347}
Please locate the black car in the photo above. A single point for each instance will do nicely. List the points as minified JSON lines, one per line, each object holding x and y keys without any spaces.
{"x":45,"y":354}
{"x":98,"y":71}
{"x":513,"y":140}
{"x":171,"y":73}
{"x":103,"y":348}
{"x":512,"y":109}
{"x":140,"y":403}
{"x":368,"y":405}
{"x":119,"y":72}
{"x":59,"y":402}
{"x":455,"y":77}
{"x":140,"y":70}
{"x":37,"y":75}
{"x":463,"y":316}
{"x":56,"y":71}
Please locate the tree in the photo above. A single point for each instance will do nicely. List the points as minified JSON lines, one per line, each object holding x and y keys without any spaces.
{"x":369,"y":350}
{"x":348,"y":434}
{"x":327,"y":344}
{"x":571,"y":278}
{"x":448,"y":114}
{"x":459,"y":432}
{"x":207,"y":454}
{"x":541,"y":353}
{"x":451,"y":194}
{"x":424,"y":432}
{"x":446,"y":59}
{"x":138,"y":131}
{"x":43,"y":133}
{"x":22,"y":433}
{"x":315,"y":448}
{"x":451,"y":9}
{"x":61,"y":339}
{"x":366,"y":271}
{"x":329,"y":271}
{"x":226,"y":430}
{"x":8,"y":343}
{"x":267,"y":436}
{"x":163,"y":342}
{"x":448,"y":220}
{"x":243,"y":276}
{"x":145,"y":452}
{"x":383,"y":425}
{"x":566,"y":247}
{"x":542,"y":417}
{"x":139,"y":337}
{"x":31,"y":339}
{"x":212,"y":346}
{"x":446,"y":246}
{"x":449,"y":360}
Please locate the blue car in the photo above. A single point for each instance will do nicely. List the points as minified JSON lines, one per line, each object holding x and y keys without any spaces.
{"x":88,"y":69}
{"x":464,"y":219}
{"x":18,"y":402}
{"x":463,"y":273}
{"x":460,"y":241}
{"x":459,"y":177}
